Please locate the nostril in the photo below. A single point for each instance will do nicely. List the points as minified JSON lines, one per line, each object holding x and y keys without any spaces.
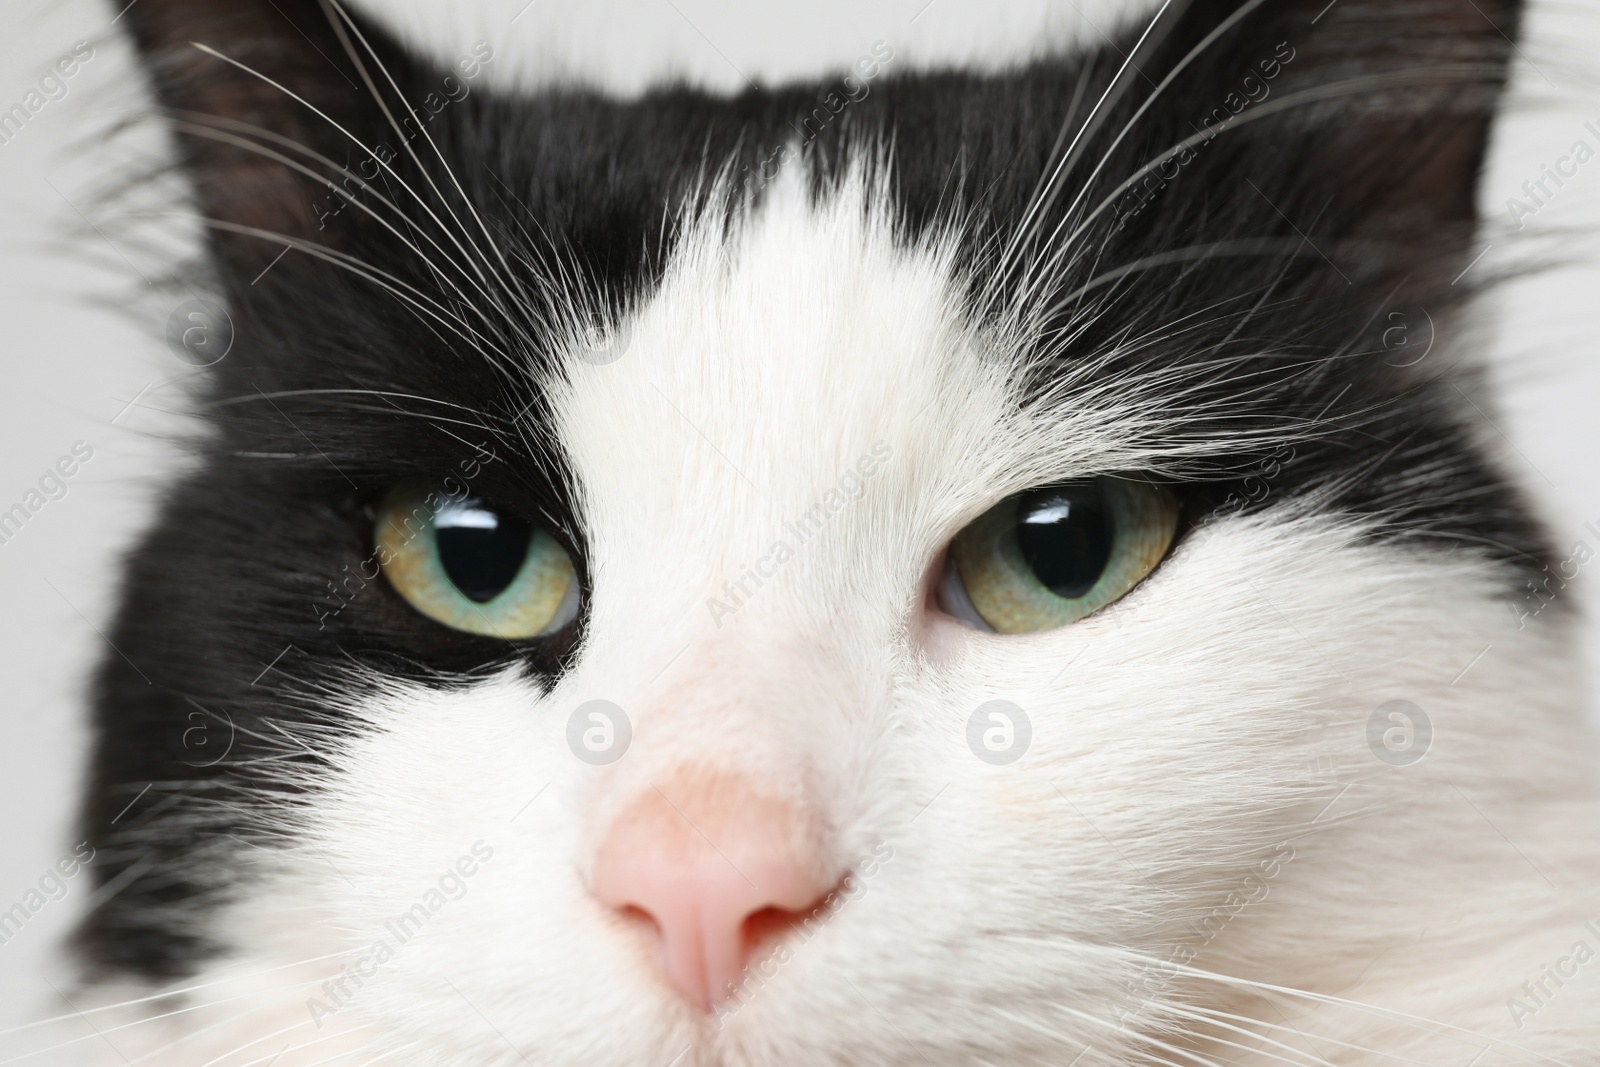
{"x":635,"y":914}
{"x":770,"y":925}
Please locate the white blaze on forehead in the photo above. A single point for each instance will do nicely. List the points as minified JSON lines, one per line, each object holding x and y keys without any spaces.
{"x":804,"y":353}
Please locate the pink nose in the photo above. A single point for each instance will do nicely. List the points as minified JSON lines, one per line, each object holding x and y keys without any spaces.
{"x":716,"y":867}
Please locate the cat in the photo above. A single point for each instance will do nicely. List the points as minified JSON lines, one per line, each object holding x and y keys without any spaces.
{"x":925,"y":566}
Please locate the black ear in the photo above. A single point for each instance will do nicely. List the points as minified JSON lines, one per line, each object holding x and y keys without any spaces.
{"x":1357,"y":126}
{"x":337,"y":234}
{"x":279,"y":106}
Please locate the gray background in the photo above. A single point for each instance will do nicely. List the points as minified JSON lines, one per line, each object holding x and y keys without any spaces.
{"x":81,"y":330}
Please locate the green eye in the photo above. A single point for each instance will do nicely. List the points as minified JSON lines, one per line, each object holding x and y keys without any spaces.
{"x":474,"y":566}
{"x":1051,"y":556}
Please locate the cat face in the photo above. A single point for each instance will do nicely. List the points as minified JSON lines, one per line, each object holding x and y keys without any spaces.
{"x":675,"y":589}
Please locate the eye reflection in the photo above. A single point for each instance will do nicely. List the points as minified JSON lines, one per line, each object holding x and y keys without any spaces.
{"x":480,"y":549}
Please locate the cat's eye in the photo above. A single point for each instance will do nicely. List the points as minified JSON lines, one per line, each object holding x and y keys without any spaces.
{"x":1051,"y":556}
{"x":473,"y":565}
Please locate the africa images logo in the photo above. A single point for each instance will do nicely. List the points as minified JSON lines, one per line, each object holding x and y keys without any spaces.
{"x":340,"y":990}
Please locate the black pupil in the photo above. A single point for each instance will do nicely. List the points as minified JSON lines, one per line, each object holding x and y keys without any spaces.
{"x":1065,"y":534}
{"x":480,"y":547}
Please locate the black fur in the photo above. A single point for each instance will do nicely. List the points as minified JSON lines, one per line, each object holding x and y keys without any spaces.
{"x":1358,"y":205}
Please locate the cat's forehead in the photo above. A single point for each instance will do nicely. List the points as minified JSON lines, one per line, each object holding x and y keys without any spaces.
{"x":775,"y":354}
{"x":782,"y":350}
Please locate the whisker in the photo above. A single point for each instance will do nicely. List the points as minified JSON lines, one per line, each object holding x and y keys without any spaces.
{"x":337,"y":126}
{"x":257,"y":1005}
{"x":1333,"y":90}
{"x":1218,"y":1017}
{"x":1137,"y":1036}
{"x":341,"y":20}
{"x":402,"y":290}
{"x":566,"y":284}
{"x":1026,"y":227}
{"x":283,"y":393}
{"x":267,"y":1058}
{"x":1194,"y":53}
{"x":208,"y":129}
{"x":1259,"y":246}
{"x":1390,"y":1014}
{"x":164,"y":994}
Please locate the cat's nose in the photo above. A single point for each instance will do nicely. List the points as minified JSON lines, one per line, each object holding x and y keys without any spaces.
{"x":716,"y":866}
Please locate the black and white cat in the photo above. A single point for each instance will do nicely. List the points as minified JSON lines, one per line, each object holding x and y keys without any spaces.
{"x":922,"y":567}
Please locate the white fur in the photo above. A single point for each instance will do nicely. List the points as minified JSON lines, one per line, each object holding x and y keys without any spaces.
{"x":1213,"y":718}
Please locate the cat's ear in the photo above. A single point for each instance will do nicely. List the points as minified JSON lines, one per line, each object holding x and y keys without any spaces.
{"x":1357,"y":126}
{"x":261,"y":92}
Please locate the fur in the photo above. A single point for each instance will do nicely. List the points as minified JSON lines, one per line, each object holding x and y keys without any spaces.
{"x":1199,"y":860}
